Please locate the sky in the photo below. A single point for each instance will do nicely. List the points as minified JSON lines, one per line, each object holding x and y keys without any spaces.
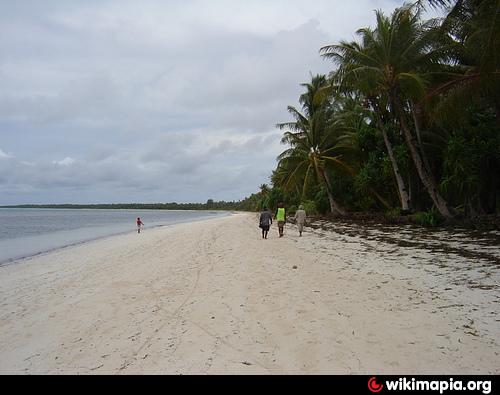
{"x":121,"y":101}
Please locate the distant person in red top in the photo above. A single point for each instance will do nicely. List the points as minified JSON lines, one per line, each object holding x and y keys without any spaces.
{"x":139,"y":224}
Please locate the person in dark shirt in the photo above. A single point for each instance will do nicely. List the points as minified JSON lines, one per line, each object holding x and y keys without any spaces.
{"x":265,"y":222}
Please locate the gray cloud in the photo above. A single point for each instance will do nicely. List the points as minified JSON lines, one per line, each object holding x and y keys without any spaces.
{"x":156,"y":100}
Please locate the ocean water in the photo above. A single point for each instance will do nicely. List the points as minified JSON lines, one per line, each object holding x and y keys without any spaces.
{"x":28,"y":232}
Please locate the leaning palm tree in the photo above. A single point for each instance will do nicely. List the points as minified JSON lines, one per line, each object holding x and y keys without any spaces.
{"x":312,"y":139}
{"x":349,"y":79}
{"x":390,"y":60}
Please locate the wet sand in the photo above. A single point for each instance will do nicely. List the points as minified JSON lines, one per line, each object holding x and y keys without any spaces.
{"x":212,"y":297}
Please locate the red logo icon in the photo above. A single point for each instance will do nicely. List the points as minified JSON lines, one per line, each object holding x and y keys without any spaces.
{"x":373,"y":386}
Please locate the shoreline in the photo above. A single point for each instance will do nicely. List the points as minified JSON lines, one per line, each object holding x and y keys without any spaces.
{"x":20,"y":259}
{"x":212,"y":297}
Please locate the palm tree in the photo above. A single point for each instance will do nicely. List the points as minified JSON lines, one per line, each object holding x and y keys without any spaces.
{"x":349,"y":78}
{"x":471,"y":35}
{"x":264,"y":189}
{"x":388,"y":63}
{"x":313,"y":144}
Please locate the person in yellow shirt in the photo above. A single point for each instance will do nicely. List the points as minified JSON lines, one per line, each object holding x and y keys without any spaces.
{"x":281,"y":218}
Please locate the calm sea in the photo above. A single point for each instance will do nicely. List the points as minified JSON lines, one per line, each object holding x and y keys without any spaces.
{"x":28,"y":232}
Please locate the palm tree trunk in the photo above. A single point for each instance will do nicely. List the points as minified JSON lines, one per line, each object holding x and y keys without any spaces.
{"x":381,"y":199}
{"x":426,"y":176}
{"x":403,"y":193}
{"x":419,"y":137}
{"x":335,"y":208}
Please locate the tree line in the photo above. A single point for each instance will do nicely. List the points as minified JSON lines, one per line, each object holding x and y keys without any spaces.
{"x":407,"y":122}
{"x":209,"y":205}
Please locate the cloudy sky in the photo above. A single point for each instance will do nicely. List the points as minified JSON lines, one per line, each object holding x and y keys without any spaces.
{"x":152,"y":101}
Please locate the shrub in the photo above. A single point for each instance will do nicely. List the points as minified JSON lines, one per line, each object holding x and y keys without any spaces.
{"x":310,"y":207}
{"x":393,"y":214}
{"x":429,"y":218}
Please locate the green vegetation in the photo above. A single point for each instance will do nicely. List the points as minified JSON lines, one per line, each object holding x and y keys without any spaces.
{"x":210,"y":205}
{"x":407,"y":122}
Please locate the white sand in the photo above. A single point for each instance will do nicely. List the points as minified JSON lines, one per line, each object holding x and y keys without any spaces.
{"x":213,"y":297}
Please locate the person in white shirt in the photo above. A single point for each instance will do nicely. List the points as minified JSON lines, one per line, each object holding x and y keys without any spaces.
{"x":300,"y":218}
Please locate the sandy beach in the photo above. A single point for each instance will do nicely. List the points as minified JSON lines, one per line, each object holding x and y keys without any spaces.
{"x":212,"y":297}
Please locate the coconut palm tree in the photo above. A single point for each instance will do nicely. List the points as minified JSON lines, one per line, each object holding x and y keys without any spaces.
{"x":390,"y":61}
{"x":313,"y":140}
{"x":471,"y":34}
{"x":348,"y":78}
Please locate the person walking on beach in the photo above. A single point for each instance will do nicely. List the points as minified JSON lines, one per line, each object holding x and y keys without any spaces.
{"x":265,"y":222}
{"x":300,"y":219}
{"x":281,"y":218}
{"x":139,"y":224}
